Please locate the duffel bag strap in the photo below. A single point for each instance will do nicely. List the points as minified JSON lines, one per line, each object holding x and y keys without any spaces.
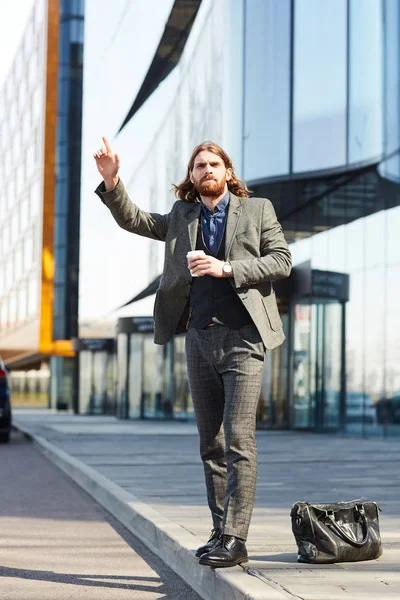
{"x":338,"y":529}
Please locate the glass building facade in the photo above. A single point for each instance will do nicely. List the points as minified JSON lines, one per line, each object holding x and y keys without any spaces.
{"x":40,"y":138}
{"x":305,"y":97}
{"x":151,"y":379}
{"x":338,"y":197}
{"x":65,"y":389}
{"x":22,"y":110}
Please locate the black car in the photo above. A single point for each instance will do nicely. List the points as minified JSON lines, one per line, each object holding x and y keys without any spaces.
{"x":5,"y":404}
{"x":388,"y":410}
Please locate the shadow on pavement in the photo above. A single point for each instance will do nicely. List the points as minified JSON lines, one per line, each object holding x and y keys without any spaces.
{"x":81,"y":579}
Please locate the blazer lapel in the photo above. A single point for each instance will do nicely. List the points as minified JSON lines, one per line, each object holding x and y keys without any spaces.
{"x":234,"y":214}
{"x":193,"y":223}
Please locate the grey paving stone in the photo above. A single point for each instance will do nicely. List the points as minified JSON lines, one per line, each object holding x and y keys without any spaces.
{"x":161,"y":467}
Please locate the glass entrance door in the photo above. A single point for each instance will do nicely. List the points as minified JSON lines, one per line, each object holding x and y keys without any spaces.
{"x":317,"y":364}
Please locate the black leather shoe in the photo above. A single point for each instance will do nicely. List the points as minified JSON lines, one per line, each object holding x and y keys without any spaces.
{"x":213,"y":541}
{"x":230,"y":552}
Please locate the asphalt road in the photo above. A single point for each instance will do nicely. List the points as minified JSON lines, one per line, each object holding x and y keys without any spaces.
{"x":56,"y":543}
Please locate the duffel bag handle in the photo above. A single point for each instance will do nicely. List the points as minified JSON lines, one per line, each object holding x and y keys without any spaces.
{"x":343,"y":533}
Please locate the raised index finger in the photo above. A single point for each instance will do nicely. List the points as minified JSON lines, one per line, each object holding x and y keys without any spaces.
{"x":106,"y":143}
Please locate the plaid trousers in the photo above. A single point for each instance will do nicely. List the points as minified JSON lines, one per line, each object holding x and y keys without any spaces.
{"x":225,"y":368}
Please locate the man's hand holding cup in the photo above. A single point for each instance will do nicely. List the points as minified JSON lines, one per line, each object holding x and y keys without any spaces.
{"x":199,"y":264}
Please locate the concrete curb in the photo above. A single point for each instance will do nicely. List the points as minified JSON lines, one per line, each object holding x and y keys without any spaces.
{"x":168,"y":540}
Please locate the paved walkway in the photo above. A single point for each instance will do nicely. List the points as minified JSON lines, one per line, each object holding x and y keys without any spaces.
{"x":155,"y":470}
{"x":56,"y":543}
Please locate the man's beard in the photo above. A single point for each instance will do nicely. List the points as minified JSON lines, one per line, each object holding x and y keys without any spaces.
{"x":210,"y":188}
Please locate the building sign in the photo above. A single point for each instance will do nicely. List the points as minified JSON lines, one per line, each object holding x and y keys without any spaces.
{"x":135,"y":325}
{"x":93,"y":344}
{"x":305,"y":282}
{"x":329,"y":284}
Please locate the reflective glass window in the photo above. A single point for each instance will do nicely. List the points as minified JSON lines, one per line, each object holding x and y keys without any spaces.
{"x":85,"y":380}
{"x":2,"y":107}
{"x":355,"y":251}
{"x":391,"y":415}
{"x":33,"y":70}
{"x":37,"y":104}
{"x":60,"y":274}
{"x":7,"y":163}
{"x":13,"y":114}
{"x":355,"y":332}
{"x":391,"y":167}
{"x":23,"y":95}
{"x":374,"y":345}
{"x":62,"y":127}
{"x":5,"y":131}
{"x":4,"y":313}
{"x":10,"y":90}
{"x":22,"y":303}
{"x":32,"y":296}
{"x":35,"y":199}
{"x":320,"y":74}
{"x":135,"y":374}
{"x":302,"y":409}
{"x":337,"y":249}
{"x":28,"y":39}
{"x":110,"y":399}
{"x":59,"y":327}
{"x":37,"y":17}
{"x":61,"y":382}
{"x":12,"y":309}
{"x":24,"y":214}
{"x":18,"y":66}
{"x":16,"y":149}
{"x":6,"y":238}
{"x":2,"y":279}
{"x":59,"y":300}
{"x":63,"y":153}
{"x":39,"y":56}
{"x":14,"y":228}
{"x":392,"y":228}
{"x":26,"y":124}
{"x":331,"y":325}
{"x":267,"y":88}
{"x":30,"y":160}
{"x":122,"y":375}
{"x":365,"y":102}
{"x":98,"y":388}
{"x":375,"y":237}
{"x":11,"y":192}
{"x":320,"y":251}
{"x":154,"y":404}
{"x":28,"y":251}
{"x":183,"y":406}
{"x":20,"y":177}
{"x":60,"y":254}
{"x":62,"y":195}
{"x":18,"y":262}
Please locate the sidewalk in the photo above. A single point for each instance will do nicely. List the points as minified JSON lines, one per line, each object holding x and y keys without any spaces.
{"x":149,"y":476}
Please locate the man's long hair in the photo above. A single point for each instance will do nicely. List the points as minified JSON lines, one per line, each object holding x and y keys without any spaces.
{"x":186,"y":190}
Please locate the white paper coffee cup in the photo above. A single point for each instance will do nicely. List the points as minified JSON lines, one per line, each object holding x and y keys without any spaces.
{"x":193,"y":254}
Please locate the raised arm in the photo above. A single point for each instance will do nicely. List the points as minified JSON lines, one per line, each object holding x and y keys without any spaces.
{"x":112,"y":192}
{"x":107,"y":164}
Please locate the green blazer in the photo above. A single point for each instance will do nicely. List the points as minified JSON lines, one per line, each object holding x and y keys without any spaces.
{"x":255,"y":246}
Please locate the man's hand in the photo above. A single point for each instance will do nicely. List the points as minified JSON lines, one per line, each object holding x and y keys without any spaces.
{"x":206,"y":265}
{"x":107,"y":164}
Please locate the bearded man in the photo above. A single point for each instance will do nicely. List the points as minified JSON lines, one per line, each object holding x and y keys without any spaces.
{"x":225,"y":302}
